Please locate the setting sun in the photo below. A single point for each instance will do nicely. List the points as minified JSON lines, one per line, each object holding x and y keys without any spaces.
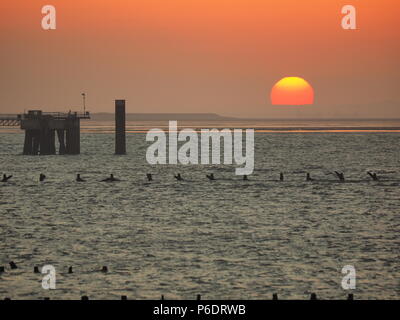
{"x":292,"y":91}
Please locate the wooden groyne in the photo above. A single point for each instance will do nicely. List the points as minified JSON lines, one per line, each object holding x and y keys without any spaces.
{"x":313,"y":297}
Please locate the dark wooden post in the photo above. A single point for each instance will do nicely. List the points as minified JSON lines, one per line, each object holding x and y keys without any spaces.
{"x":350,"y":296}
{"x":313,"y":296}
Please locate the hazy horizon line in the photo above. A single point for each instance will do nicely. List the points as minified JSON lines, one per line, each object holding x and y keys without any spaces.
{"x":210,"y":116}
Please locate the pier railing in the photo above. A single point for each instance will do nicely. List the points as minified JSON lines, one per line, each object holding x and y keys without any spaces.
{"x":10,"y":120}
{"x":57,"y":115}
{"x":14,"y":120}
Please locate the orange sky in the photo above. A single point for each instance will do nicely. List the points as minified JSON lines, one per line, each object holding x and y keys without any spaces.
{"x":201,"y":56}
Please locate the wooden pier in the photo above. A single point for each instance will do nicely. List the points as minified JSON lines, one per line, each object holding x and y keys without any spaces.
{"x":41,"y":129}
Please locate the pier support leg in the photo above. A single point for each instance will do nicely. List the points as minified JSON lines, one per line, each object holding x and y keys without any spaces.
{"x":77,"y":137}
{"x":40,"y":130}
{"x":68,"y":141}
{"x":52,"y":141}
{"x":61,"y":140}
{"x":47,"y":142}
{"x":36,"y":142}
{"x":28,"y":144}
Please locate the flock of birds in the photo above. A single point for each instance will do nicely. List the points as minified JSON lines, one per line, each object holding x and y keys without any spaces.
{"x":211,"y":177}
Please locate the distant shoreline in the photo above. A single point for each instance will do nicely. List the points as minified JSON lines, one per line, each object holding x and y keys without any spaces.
{"x":108,"y":116}
{"x":104,"y":116}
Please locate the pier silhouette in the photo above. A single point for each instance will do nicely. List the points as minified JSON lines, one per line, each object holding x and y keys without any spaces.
{"x":41,"y":128}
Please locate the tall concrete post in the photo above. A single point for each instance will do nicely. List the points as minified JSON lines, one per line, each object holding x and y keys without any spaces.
{"x":120,"y":137}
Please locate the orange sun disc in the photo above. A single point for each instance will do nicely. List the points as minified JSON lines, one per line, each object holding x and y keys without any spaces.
{"x":292,"y":91}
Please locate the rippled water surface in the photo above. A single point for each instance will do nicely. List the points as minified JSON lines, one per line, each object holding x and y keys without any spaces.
{"x":223,"y":239}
